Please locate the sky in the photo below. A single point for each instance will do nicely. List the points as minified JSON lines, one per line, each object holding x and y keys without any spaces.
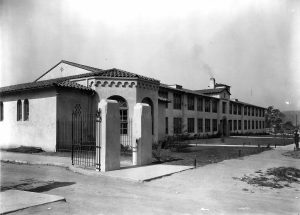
{"x":251,"y":45}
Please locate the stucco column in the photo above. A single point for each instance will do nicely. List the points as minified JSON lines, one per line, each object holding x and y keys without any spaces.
{"x":110,"y":135}
{"x":142,"y":135}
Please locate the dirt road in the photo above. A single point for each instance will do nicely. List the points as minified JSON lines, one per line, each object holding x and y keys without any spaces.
{"x":206,"y":190}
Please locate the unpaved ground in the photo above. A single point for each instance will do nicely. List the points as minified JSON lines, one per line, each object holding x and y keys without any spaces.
{"x":206,"y":190}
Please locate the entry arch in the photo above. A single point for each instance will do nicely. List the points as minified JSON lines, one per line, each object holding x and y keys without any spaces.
{"x":123,"y":113}
{"x":149,"y":101}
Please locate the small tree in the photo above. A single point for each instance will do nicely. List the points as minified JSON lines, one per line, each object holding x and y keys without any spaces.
{"x":273,"y":118}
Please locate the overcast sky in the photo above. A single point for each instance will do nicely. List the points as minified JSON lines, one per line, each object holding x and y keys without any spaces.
{"x":252,"y":45}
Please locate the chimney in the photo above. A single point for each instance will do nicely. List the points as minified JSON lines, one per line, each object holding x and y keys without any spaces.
{"x":212,"y":83}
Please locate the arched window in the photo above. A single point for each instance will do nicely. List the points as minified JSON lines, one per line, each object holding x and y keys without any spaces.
{"x":1,"y":111}
{"x":150,"y":103}
{"x":19,"y":110}
{"x":123,"y":113}
{"x":26,"y":110}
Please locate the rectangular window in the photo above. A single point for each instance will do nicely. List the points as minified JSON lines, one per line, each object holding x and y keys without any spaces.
{"x":200,"y":104}
{"x":230,"y":108}
{"x":259,"y":124}
{"x":1,"y":111}
{"x":256,"y":124}
{"x":207,"y":105}
{"x":164,"y":94}
{"x":230,"y":125}
{"x":167,"y":125}
{"x":245,"y":110}
{"x":252,"y":110}
{"x":245,"y":124}
{"x":256,"y":112}
{"x":252,"y":124}
{"x":191,"y":125}
{"x":177,"y":125}
{"x":124,"y":121}
{"x":249,"y":124}
{"x":215,"y":124}
{"x":240,"y":124}
{"x":239,"y":110}
{"x":191,"y":102}
{"x":235,"y":125}
{"x":249,"y":112}
{"x":200,"y":125}
{"x":177,"y":101}
{"x":214,"y":106}
{"x":263,"y":124}
{"x":223,"y":107}
{"x":234,"y":109}
{"x":263,"y":113}
{"x":207,"y":125}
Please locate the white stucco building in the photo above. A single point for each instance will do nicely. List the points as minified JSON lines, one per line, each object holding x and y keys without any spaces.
{"x":34,"y":114}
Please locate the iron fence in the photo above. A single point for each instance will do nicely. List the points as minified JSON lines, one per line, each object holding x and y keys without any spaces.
{"x":126,"y":139}
{"x":84,"y":139}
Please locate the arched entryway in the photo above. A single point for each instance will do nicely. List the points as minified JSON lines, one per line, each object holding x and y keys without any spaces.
{"x":148,"y":101}
{"x":123,"y":113}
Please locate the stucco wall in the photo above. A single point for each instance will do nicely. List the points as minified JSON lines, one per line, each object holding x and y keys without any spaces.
{"x":39,"y":130}
{"x":151,"y":93}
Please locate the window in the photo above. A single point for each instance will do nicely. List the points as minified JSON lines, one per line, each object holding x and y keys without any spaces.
{"x":259,"y":124}
{"x":164,"y":94}
{"x":215,"y":124}
{"x":230,"y":125}
{"x":223,"y":107}
{"x":240,"y":124}
{"x":177,"y":101}
{"x":123,"y":113}
{"x":191,"y":125}
{"x":263,"y":124}
{"x":199,"y":104}
{"x":256,"y":112}
{"x":245,"y":124}
{"x":252,"y":110}
{"x":256,"y":124}
{"x":248,"y":111}
{"x":214,"y":106}
{"x":1,"y":111}
{"x":207,"y":105}
{"x":207,"y":125}
{"x":230,"y":108}
{"x":26,"y":110}
{"x":177,"y":125}
{"x":245,"y":110}
{"x":239,"y":110}
{"x":200,"y":125}
{"x":263,"y":113}
{"x":234,"y":109}
{"x":249,"y":124}
{"x":167,"y":125}
{"x":191,"y":102}
{"x":252,"y":124}
{"x":235,"y":125}
{"x":19,"y":110}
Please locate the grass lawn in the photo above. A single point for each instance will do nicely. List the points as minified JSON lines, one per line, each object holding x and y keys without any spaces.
{"x":240,"y":140}
{"x":206,"y":154}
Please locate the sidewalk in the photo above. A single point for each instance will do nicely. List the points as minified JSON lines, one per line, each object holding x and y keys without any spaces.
{"x":133,"y":173}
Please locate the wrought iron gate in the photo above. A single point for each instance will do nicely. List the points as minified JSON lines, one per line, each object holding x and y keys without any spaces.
{"x":84,"y":138}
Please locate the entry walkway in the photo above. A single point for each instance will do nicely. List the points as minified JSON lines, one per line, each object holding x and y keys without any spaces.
{"x":133,"y":173}
{"x":14,"y":200}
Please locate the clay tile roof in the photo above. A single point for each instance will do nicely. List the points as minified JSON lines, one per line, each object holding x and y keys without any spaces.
{"x":211,"y":91}
{"x":62,"y":82}
{"x":73,"y":85}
